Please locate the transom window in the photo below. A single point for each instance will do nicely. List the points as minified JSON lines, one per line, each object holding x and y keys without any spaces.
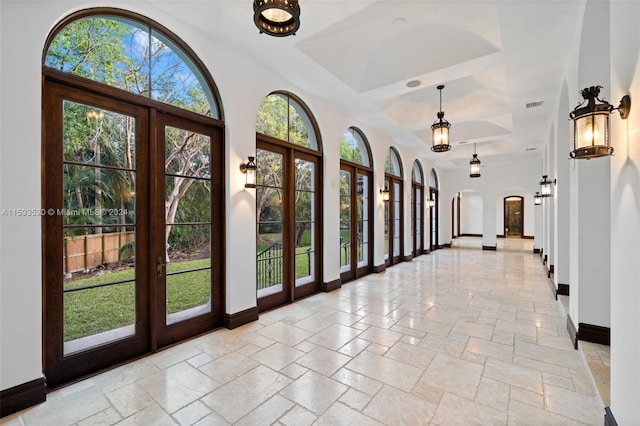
{"x":135,"y":57}
{"x":353,"y":147}
{"x":285,"y":118}
{"x":392,"y":165}
{"x":417,"y":172}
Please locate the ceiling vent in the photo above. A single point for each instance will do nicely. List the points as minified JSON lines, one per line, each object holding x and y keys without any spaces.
{"x":534,"y":104}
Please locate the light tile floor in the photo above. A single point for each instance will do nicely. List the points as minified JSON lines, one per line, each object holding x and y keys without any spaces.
{"x":459,"y":336}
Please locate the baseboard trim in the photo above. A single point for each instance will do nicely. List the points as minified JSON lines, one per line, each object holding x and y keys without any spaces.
{"x":447,"y":245}
{"x":490,"y":248}
{"x":573,"y":332}
{"x":527,"y":237}
{"x":379,"y":268}
{"x":563,"y":290}
{"x":609,"y":420}
{"x":407,"y":258}
{"x":551,"y":269}
{"x":501,"y":236}
{"x":545,"y":259}
{"x":331,"y":285}
{"x":536,"y":250}
{"x":471,"y":235}
{"x":22,"y":396}
{"x":238,"y":319}
{"x":594,"y":334}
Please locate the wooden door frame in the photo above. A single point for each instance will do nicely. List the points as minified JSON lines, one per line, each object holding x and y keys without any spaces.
{"x":355,"y":271}
{"x":392,"y":260}
{"x":434,"y":217}
{"x":414,"y":187}
{"x":290,"y":152}
{"x":57,"y":86}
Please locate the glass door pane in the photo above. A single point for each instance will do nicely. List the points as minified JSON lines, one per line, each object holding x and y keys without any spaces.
{"x":187,"y":224}
{"x":387,"y":223}
{"x":363,"y":220}
{"x":396,"y":219}
{"x":99,"y":226}
{"x":418,"y":223}
{"x":269,"y":229}
{"x":304,"y":236}
{"x":345,"y":221}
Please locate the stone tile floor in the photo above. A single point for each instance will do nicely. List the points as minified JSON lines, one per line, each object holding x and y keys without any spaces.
{"x":459,"y":336}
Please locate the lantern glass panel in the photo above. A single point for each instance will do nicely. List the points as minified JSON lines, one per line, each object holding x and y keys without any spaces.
{"x":474,"y":169}
{"x":440,"y":136}
{"x":591,"y":130}
{"x":276,"y":15}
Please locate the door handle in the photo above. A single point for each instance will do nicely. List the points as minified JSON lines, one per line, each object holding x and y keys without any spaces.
{"x":160,"y":265}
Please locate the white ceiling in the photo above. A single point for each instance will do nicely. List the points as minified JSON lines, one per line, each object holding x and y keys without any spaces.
{"x":494,"y":57}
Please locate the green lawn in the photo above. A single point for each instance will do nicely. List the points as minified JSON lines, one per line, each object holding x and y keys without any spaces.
{"x":100,"y":309}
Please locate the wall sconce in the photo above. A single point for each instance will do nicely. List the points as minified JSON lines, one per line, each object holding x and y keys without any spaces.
{"x":591,"y":124}
{"x":440,"y":130}
{"x":474,"y":164}
{"x":249,"y":170}
{"x":385,"y":193}
{"x":278,"y":18}
{"x":431,"y":203}
{"x":537,"y":199}
{"x":545,"y":186}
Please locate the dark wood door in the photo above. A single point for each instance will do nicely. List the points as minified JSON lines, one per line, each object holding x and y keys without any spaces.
{"x":132,"y":243}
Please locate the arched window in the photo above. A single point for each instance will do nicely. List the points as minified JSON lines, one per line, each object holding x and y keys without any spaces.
{"x":393,"y":230}
{"x":287,"y":119}
{"x":288,"y":201}
{"x":417,"y":208}
{"x":433,"y":209}
{"x":133,"y":147}
{"x":356,"y":251}
{"x":135,"y":56}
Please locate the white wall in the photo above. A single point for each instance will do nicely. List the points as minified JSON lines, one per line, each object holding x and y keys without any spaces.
{"x":492,"y":188}
{"x":625,"y":215}
{"x":470,"y":214}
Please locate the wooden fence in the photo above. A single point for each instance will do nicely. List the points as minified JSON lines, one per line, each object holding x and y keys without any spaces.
{"x":84,"y":252}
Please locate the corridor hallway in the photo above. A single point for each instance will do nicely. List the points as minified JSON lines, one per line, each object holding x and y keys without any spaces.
{"x":459,"y":336}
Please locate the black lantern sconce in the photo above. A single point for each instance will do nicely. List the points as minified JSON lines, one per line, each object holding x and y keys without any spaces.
{"x":440,"y":130}
{"x":591,"y":124}
{"x":545,"y":186}
{"x":474,"y":164}
{"x":385,"y":193}
{"x":278,"y":18}
{"x":249,"y":170}
{"x":537,"y":199}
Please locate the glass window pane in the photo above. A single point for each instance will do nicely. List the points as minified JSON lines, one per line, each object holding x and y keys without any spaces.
{"x":98,"y":285}
{"x":93,"y":135}
{"x":195,"y":203}
{"x":187,"y":154}
{"x":122,"y":53}
{"x":176,"y":80}
{"x":272,"y":117}
{"x":269,"y":168}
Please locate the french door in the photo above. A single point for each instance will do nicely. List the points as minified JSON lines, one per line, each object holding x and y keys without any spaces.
{"x":355,"y":230}
{"x":132,"y":237}
{"x":393,"y":221}
{"x":433,"y":213}
{"x":417,"y":224}
{"x":288,"y":251}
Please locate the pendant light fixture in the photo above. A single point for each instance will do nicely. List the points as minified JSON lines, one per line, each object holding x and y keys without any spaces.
{"x":440,"y":129}
{"x":474,"y":164}
{"x":591,"y":124}
{"x":278,"y":18}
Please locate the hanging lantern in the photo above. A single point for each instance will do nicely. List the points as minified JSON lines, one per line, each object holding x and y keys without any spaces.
{"x":249,"y":170}
{"x":278,"y":18}
{"x":474,"y":164}
{"x":440,"y":130}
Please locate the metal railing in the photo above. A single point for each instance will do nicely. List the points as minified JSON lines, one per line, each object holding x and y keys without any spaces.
{"x":269,"y":265}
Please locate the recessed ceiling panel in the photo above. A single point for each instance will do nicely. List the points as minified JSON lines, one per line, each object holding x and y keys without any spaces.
{"x":391,"y":41}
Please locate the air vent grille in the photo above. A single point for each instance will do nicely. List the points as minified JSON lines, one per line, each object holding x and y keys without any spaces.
{"x":534,"y":104}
